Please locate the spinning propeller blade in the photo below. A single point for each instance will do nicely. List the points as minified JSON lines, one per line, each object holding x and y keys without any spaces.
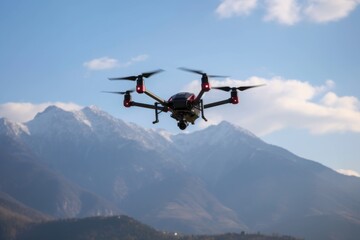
{"x":243,"y":88}
{"x":226,"y":89}
{"x":149,"y":74}
{"x":133,"y":78}
{"x":122,"y":93}
{"x":201,"y":73}
{"x":191,"y":70}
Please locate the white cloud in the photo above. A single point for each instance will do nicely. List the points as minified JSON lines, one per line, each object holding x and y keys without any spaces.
{"x":228,"y":8}
{"x":348,"y":172}
{"x":139,"y":58}
{"x":284,"y":11}
{"x":284,"y":103}
{"x":23,"y":112}
{"x":329,"y":10}
{"x":348,"y":102}
{"x":101,"y":63}
{"x":104,"y":63}
{"x":289,"y":12}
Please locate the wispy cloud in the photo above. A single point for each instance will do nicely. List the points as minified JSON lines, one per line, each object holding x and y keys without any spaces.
{"x":139,"y":58}
{"x":104,"y":63}
{"x":285,"y":103}
{"x":24,"y":111}
{"x":348,"y":172}
{"x":290,"y":12}
{"x":101,"y":63}
{"x":229,"y":8}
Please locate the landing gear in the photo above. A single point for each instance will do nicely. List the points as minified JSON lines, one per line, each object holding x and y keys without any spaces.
{"x":182,"y":125}
{"x":157,"y":111}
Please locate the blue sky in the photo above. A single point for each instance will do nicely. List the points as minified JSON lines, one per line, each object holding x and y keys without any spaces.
{"x":306,"y":51}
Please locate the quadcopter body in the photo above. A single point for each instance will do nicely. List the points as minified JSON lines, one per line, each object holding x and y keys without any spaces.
{"x":184,"y":107}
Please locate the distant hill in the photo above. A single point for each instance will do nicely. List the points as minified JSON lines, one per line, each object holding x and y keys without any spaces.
{"x":7,"y":203}
{"x":217,"y":180}
{"x":15,"y":217}
{"x":118,"y":227}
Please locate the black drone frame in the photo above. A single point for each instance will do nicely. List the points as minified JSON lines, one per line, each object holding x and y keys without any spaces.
{"x":205,"y":87}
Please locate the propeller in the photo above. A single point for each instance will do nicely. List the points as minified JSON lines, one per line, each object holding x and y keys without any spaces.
{"x":143,"y":75}
{"x":122,"y":93}
{"x":201,"y":73}
{"x":243,"y":88}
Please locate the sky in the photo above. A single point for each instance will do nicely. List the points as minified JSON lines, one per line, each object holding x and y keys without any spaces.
{"x":307,"y":52}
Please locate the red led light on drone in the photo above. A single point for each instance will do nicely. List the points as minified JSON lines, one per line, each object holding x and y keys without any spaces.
{"x":140,"y":88}
{"x":234,"y":100}
{"x":127,"y":104}
{"x":205,"y":86}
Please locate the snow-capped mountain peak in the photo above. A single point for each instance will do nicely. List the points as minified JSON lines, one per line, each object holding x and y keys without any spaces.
{"x":10,"y":128}
{"x":96,"y":111}
{"x":92,"y":122}
{"x":50,"y":112}
{"x":222,"y":134}
{"x":58,"y":121}
{"x":227,"y":127}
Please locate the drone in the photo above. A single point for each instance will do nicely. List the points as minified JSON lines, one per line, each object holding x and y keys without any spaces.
{"x":185,"y":107}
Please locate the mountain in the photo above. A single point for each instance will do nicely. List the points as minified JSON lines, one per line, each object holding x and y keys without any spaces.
{"x":220,"y":179}
{"x":129,"y":167}
{"x":26,"y":179}
{"x":273,"y":189}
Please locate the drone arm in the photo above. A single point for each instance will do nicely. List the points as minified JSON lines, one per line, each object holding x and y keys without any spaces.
{"x":215,"y":104}
{"x":144,"y":105}
{"x":199,"y":96}
{"x":158,"y":99}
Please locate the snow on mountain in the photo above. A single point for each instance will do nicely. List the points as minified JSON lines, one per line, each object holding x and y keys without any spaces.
{"x":92,"y":122}
{"x":222,"y":135}
{"x":54,"y":121}
{"x":103,"y":124}
{"x":165,"y":134}
{"x":10,"y":128}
